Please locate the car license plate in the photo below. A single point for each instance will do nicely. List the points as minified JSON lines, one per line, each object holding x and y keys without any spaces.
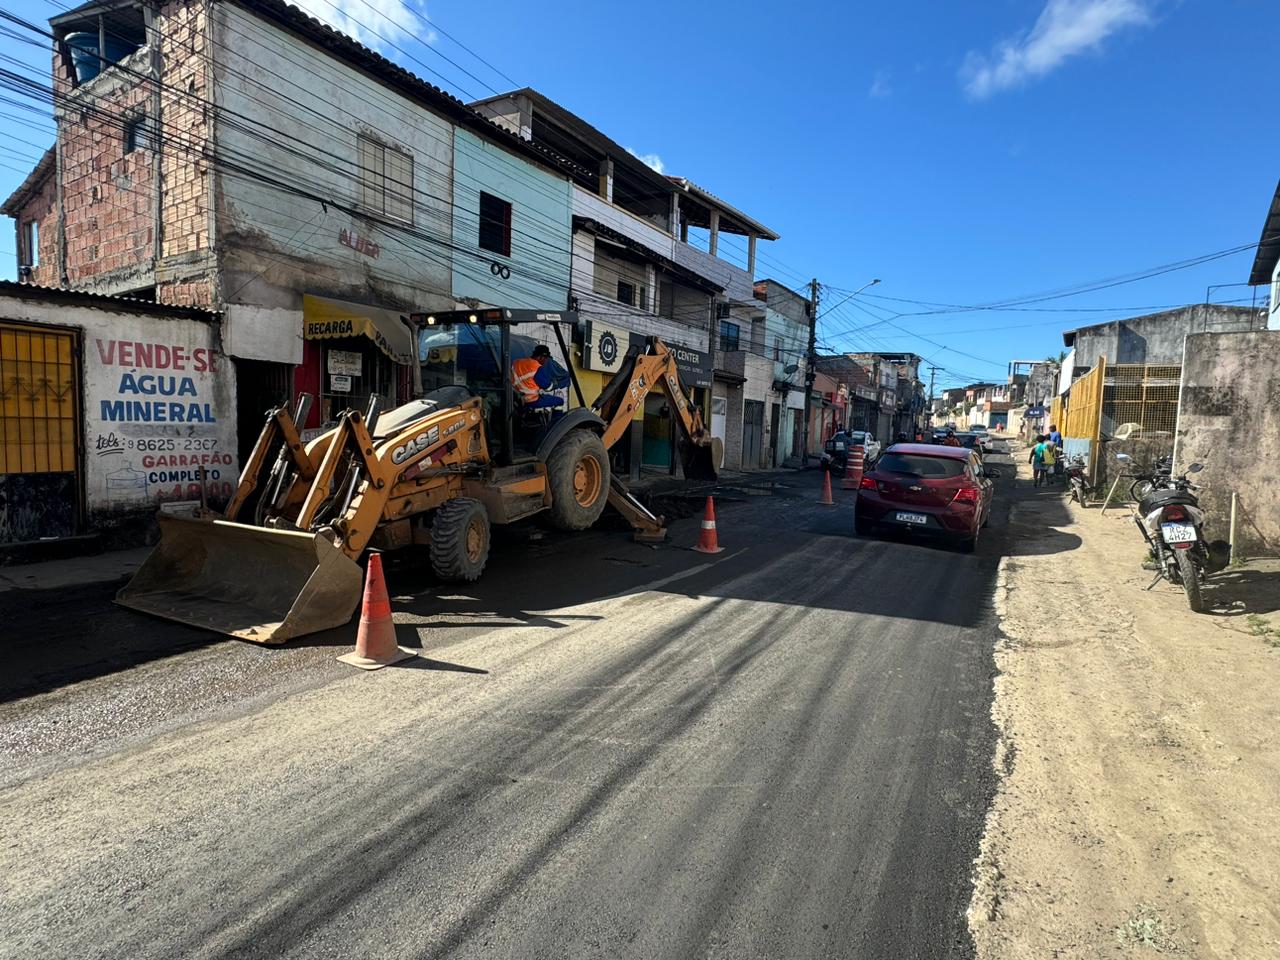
{"x":1178,"y":532}
{"x":912,"y":518}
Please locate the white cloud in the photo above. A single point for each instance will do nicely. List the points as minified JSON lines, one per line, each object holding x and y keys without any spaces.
{"x":1065,"y":28}
{"x":649,"y":160}
{"x":880,"y":86}
{"x":374,"y":23}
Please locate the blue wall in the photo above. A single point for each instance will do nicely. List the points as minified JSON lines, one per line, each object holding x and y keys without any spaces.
{"x":541,"y":228}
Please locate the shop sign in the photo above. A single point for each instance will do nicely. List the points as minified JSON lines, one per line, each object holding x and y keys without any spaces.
{"x":604,"y":346}
{"x":346,"y":362}
{"x":339,"y":383}
{"x":694,"y":365}
{"x":866,"y":393}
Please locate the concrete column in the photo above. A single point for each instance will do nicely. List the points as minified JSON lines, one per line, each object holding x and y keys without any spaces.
{"x":606,"y":179}
{"x":675,"y":225}
{"x":715,"y":231}
{"x":751,"y":256}
{"x":684,"y":231}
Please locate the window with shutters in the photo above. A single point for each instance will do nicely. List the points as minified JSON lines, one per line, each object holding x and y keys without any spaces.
{"x":386,"y":180}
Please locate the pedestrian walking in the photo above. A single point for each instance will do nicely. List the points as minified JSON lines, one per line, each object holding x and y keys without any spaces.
{"x":1041,"y":460}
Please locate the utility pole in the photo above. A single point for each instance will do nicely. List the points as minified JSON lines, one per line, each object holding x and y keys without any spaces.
{"x":810,"y":373}
{"x":933,"y":372}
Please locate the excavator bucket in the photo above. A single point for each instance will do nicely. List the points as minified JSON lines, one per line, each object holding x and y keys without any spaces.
{"x":245,"y":581}
{"x":701,"y":461}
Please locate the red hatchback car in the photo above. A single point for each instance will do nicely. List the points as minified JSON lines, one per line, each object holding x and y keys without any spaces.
{"x":926,"y":488}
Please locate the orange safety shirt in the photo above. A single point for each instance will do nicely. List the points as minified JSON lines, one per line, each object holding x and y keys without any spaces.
{"x":522,"y":373}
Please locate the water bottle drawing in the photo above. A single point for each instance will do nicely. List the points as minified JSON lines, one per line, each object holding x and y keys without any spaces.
{"x":127,"y":482}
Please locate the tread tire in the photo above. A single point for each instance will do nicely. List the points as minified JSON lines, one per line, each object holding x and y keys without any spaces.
{"x":1189,"y":574}
{"x":450,"y":560}
{"x":566,"y":512}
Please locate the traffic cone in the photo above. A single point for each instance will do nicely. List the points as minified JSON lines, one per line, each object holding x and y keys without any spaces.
{"x":376,"y":642}
{"x":709,"y":542}
{"x":826,"y":500}
{"x":852,"y":469}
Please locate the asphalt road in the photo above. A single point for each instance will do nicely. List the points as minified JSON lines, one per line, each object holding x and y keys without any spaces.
{"x":606,"y":750}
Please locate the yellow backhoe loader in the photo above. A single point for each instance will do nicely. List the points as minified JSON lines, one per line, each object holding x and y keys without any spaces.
{"x":282,"y":559}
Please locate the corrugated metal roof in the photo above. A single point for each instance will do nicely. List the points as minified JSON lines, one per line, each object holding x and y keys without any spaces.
{"x":83,"y":298}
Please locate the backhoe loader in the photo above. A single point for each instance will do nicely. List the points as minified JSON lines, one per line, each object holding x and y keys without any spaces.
{"x":281,"y":560}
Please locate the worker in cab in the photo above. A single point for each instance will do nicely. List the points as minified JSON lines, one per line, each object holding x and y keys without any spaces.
{"x":951,"y":440}
{"x":536,"y":377}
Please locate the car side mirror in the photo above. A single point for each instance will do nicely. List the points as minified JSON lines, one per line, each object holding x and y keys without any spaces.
{"x":1195,"y":468}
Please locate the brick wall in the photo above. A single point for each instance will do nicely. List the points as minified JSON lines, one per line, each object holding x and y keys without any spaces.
{"x":108,"y":195}
{"x":184,"y":28}
{"x":42,"y":207}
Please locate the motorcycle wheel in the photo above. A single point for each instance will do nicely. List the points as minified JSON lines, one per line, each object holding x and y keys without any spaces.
{"x":1189,"y":574}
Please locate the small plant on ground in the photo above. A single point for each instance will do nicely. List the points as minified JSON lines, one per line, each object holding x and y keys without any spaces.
{"x":1260,"y":627}
{"x":1146,"y":928}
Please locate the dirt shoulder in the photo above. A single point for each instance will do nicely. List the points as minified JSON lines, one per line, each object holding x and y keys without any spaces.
{"x":1139,"y":755}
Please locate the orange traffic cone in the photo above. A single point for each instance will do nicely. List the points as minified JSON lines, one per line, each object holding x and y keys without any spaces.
{"x":852,"y":469}
{"x":376,"y":641}
{"x":826,"y":500}
{"x":709,"y":542}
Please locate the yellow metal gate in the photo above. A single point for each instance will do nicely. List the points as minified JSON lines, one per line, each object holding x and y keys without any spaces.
{"x":39,"y":432}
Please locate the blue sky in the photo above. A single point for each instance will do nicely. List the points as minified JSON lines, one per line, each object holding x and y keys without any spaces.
{"x":964,"y":153}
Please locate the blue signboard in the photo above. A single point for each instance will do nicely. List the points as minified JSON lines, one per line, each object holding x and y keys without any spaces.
{"x":1034,"y":413}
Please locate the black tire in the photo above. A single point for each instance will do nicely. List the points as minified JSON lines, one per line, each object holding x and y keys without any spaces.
{"x":968,"y":544}
{"x":863,"y":528}
{"x":578,"y":474}
{"x":1189,"y":574}
{"x":460,"y":540}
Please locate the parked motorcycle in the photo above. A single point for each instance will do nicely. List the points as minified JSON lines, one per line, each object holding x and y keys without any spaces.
{"x":1080,"y":487}
{"x":1169,"y":517}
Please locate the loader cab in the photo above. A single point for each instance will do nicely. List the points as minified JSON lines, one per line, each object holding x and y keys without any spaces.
{"x":455,"y":351}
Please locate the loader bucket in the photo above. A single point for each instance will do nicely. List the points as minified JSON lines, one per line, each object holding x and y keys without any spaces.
{"x":248,"y":582}
{"x":702,"y":461}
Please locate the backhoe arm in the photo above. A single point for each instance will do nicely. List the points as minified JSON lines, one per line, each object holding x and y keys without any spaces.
{"x":625,"y":393}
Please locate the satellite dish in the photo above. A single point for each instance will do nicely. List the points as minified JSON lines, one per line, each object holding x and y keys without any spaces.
{"x":790,"y":368}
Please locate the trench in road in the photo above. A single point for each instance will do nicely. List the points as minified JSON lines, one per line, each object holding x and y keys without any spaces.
{"x":809,"y":762}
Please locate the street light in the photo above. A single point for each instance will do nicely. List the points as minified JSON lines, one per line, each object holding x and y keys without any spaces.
{"x":870,"y":283}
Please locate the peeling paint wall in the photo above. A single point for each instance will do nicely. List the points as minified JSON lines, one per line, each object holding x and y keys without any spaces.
{"x":1229,"y":420}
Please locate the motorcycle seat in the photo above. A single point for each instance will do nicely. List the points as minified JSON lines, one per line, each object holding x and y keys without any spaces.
{"x":1157,"y":499}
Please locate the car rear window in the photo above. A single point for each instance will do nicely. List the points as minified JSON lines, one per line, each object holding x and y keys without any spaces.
{"x":921,"y":465}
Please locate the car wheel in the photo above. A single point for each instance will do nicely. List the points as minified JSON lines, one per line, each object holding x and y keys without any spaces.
{"x":969,"y":544}
{"x":861,"y":527}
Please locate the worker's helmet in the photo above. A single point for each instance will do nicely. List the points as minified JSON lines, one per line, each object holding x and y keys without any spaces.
{"x":541,"y":350}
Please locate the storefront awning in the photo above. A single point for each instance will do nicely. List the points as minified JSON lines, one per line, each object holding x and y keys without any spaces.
{"x":324,"y":319}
